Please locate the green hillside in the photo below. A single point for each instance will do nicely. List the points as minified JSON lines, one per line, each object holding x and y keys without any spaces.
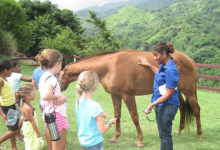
{"x":192,"y":26}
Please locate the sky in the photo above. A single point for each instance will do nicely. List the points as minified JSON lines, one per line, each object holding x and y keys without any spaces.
{"x":76,"y":5}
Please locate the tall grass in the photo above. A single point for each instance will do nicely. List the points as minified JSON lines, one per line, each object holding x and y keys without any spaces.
{"x":210,"y":120}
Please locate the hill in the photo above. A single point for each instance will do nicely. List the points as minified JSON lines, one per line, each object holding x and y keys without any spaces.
{"x":109,"y":6}
{"x":193,"y":27}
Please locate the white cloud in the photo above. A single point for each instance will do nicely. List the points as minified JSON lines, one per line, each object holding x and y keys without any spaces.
{"x":80,"y":4}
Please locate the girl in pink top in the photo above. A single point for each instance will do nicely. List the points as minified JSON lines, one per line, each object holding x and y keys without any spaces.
{"x":51,"y":97}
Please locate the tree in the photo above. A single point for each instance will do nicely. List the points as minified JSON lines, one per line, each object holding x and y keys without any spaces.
{"x":43,"y":27}
{"x":62,"y":17}
{"x":67,"y":42}
{"x":13,"y":20}
{"x":104,"y":42}
{"x":47,"y":20}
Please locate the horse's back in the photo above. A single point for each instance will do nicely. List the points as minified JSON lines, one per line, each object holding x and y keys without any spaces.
{"x":125,"y":75}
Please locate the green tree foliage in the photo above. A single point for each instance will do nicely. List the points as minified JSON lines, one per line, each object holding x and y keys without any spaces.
{"x":47,"y":20}
{"x":36,"y":8}
{"x":104,"y":41}
{"x":62,"y":17}
{"x":67,"y":42}
{"x":71,"y":43}
{"x":42,"y":27}
{"x":13,"y":20}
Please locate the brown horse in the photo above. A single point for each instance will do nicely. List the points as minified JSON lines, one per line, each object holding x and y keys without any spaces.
{"x":123,"y":78}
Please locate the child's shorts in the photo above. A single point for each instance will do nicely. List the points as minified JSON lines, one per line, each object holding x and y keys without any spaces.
{"x":5,"y":109}
{"x":61,"y":122}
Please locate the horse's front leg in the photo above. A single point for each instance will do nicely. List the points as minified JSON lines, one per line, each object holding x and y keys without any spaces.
{"x":132,"y":108}
{"x":116,"y":100}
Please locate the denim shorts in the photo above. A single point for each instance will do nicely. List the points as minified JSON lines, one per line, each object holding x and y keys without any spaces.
{"x":95,"y":147}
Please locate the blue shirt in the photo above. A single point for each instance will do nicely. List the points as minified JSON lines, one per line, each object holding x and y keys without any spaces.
{"x":166,"y":77}
{"x":88,"y":132}
{"x":15,"y":81}
{"x":38,"y":72}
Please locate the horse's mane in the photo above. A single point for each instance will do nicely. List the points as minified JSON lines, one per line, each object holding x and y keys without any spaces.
{"x":99,"y":54}
{"x":95,"y":55}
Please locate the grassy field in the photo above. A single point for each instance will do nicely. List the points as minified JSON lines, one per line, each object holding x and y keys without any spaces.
{"x":210,"y":120}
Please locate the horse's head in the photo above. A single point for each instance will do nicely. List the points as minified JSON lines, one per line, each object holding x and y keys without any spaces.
{"x":62,"y":79}
{"x":66,"y":76}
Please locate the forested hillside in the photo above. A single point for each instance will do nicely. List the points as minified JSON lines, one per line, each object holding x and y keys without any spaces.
{"x":193,"y":27}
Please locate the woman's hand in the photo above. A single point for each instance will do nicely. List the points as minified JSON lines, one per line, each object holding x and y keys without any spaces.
{"x":143,"y":61}
{"x":149,"y":108}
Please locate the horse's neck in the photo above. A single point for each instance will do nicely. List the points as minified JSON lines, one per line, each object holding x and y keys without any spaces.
{"x":98,"y":66}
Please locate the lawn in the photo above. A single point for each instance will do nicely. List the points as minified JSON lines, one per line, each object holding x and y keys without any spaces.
{"x":210,"y":120}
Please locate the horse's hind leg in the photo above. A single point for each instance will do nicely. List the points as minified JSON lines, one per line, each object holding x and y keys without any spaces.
{"x":196,"y":111}
{"x":116,"y":100}
{"x":182,"y":113}
{"x":192,"y":101}
{"x":131,"y":105}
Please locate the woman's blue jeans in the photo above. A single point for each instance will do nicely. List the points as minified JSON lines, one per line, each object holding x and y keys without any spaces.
{"x":165,"y":116}
{"x":95,"y":147}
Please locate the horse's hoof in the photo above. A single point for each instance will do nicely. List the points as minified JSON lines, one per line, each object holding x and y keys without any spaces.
{"x":112,"y":141}
{"x":199,"y":139}
{"x":139,"y":147}
{"x":178,"y":132}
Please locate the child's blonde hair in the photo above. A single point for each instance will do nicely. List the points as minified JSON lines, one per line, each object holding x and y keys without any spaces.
{"x":25,"y":89}
{"x":87,"y":81}
{"x":48,"y":58}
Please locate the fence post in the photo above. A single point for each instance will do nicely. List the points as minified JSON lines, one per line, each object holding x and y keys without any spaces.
{"x":74,"y":59}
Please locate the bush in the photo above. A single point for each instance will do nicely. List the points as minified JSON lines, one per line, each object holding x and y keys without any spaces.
{"x":7,"y":43}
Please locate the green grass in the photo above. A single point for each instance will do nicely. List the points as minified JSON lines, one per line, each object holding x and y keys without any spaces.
{"x":210,"y":118}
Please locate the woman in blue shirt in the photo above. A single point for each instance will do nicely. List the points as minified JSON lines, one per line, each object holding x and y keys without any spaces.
{"x":165,"y":93}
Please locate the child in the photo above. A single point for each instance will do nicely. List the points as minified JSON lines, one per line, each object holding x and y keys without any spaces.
{"x":89,"y":113}
{"x":15,"y":81}
{"x":38,"y":72}
{"x":32,"y":136}
{"x":7,"y":102}
{"x":51,"y":97}
{"x":16,"y":76}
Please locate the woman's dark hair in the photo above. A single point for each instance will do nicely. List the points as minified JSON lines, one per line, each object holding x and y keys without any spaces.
{"x":5,"y":64}
{"x":15,"y":62}
{"x":160,"y":47}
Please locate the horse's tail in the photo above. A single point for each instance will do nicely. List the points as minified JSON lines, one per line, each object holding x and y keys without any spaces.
{"x":189,"y":117}
{"x":189,"y":113}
